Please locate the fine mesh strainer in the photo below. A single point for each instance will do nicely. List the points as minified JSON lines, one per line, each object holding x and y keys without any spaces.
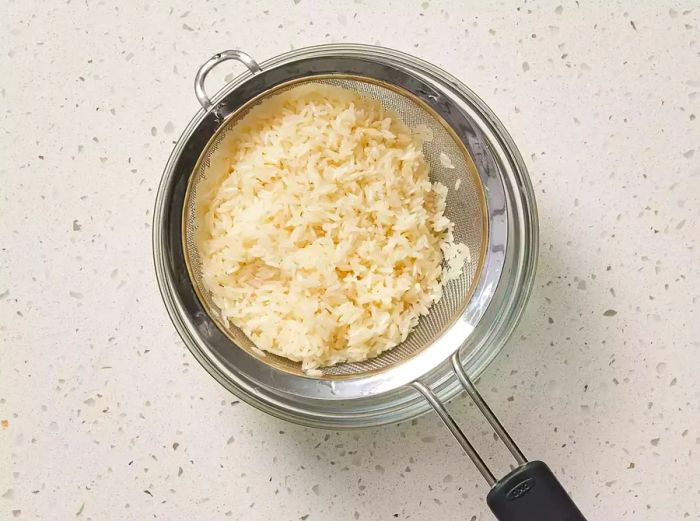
{"x":466,"y":208}
{"x":493,"y":213}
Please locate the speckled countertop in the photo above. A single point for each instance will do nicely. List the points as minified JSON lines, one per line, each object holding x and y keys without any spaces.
{"x":106,"y":415}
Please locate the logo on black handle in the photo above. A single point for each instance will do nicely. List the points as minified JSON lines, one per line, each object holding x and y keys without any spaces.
{"x":520,"y":489}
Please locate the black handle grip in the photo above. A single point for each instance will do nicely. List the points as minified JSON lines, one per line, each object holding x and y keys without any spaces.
{"x":532,"y":493}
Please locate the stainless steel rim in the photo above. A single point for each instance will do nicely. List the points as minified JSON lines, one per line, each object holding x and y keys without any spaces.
{"x":511,"y":287}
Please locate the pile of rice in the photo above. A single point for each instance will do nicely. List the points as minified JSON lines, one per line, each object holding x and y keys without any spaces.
{"x":323,"y":236}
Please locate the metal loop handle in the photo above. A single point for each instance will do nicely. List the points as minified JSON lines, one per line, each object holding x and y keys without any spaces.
{"x":212,"y":62}
{"x":495,"y":423}
{"x":457,"y":432}
{"x":451,"y":424}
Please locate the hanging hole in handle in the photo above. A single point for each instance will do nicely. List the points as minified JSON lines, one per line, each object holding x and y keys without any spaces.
{"x":206,"y":68}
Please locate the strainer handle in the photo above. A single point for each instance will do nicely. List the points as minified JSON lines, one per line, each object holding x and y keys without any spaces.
{"x":231,"y":54}
{"x":530,"y":492}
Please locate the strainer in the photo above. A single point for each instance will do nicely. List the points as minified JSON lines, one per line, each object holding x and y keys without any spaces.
{"x":493,"y":212}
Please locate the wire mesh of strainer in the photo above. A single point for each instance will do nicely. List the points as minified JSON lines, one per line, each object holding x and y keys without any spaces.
{"x":465,"y":208}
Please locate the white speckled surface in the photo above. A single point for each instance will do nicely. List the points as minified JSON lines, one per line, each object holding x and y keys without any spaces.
{"x":107,"y":416}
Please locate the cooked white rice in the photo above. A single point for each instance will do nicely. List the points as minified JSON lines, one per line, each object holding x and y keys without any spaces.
{"x":323,"y":237}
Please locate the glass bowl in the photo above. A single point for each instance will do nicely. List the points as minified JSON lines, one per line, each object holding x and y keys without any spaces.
{"x":491,"y":149}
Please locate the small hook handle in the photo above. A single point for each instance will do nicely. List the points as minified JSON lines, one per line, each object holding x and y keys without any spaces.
{"x":206,"y":68}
